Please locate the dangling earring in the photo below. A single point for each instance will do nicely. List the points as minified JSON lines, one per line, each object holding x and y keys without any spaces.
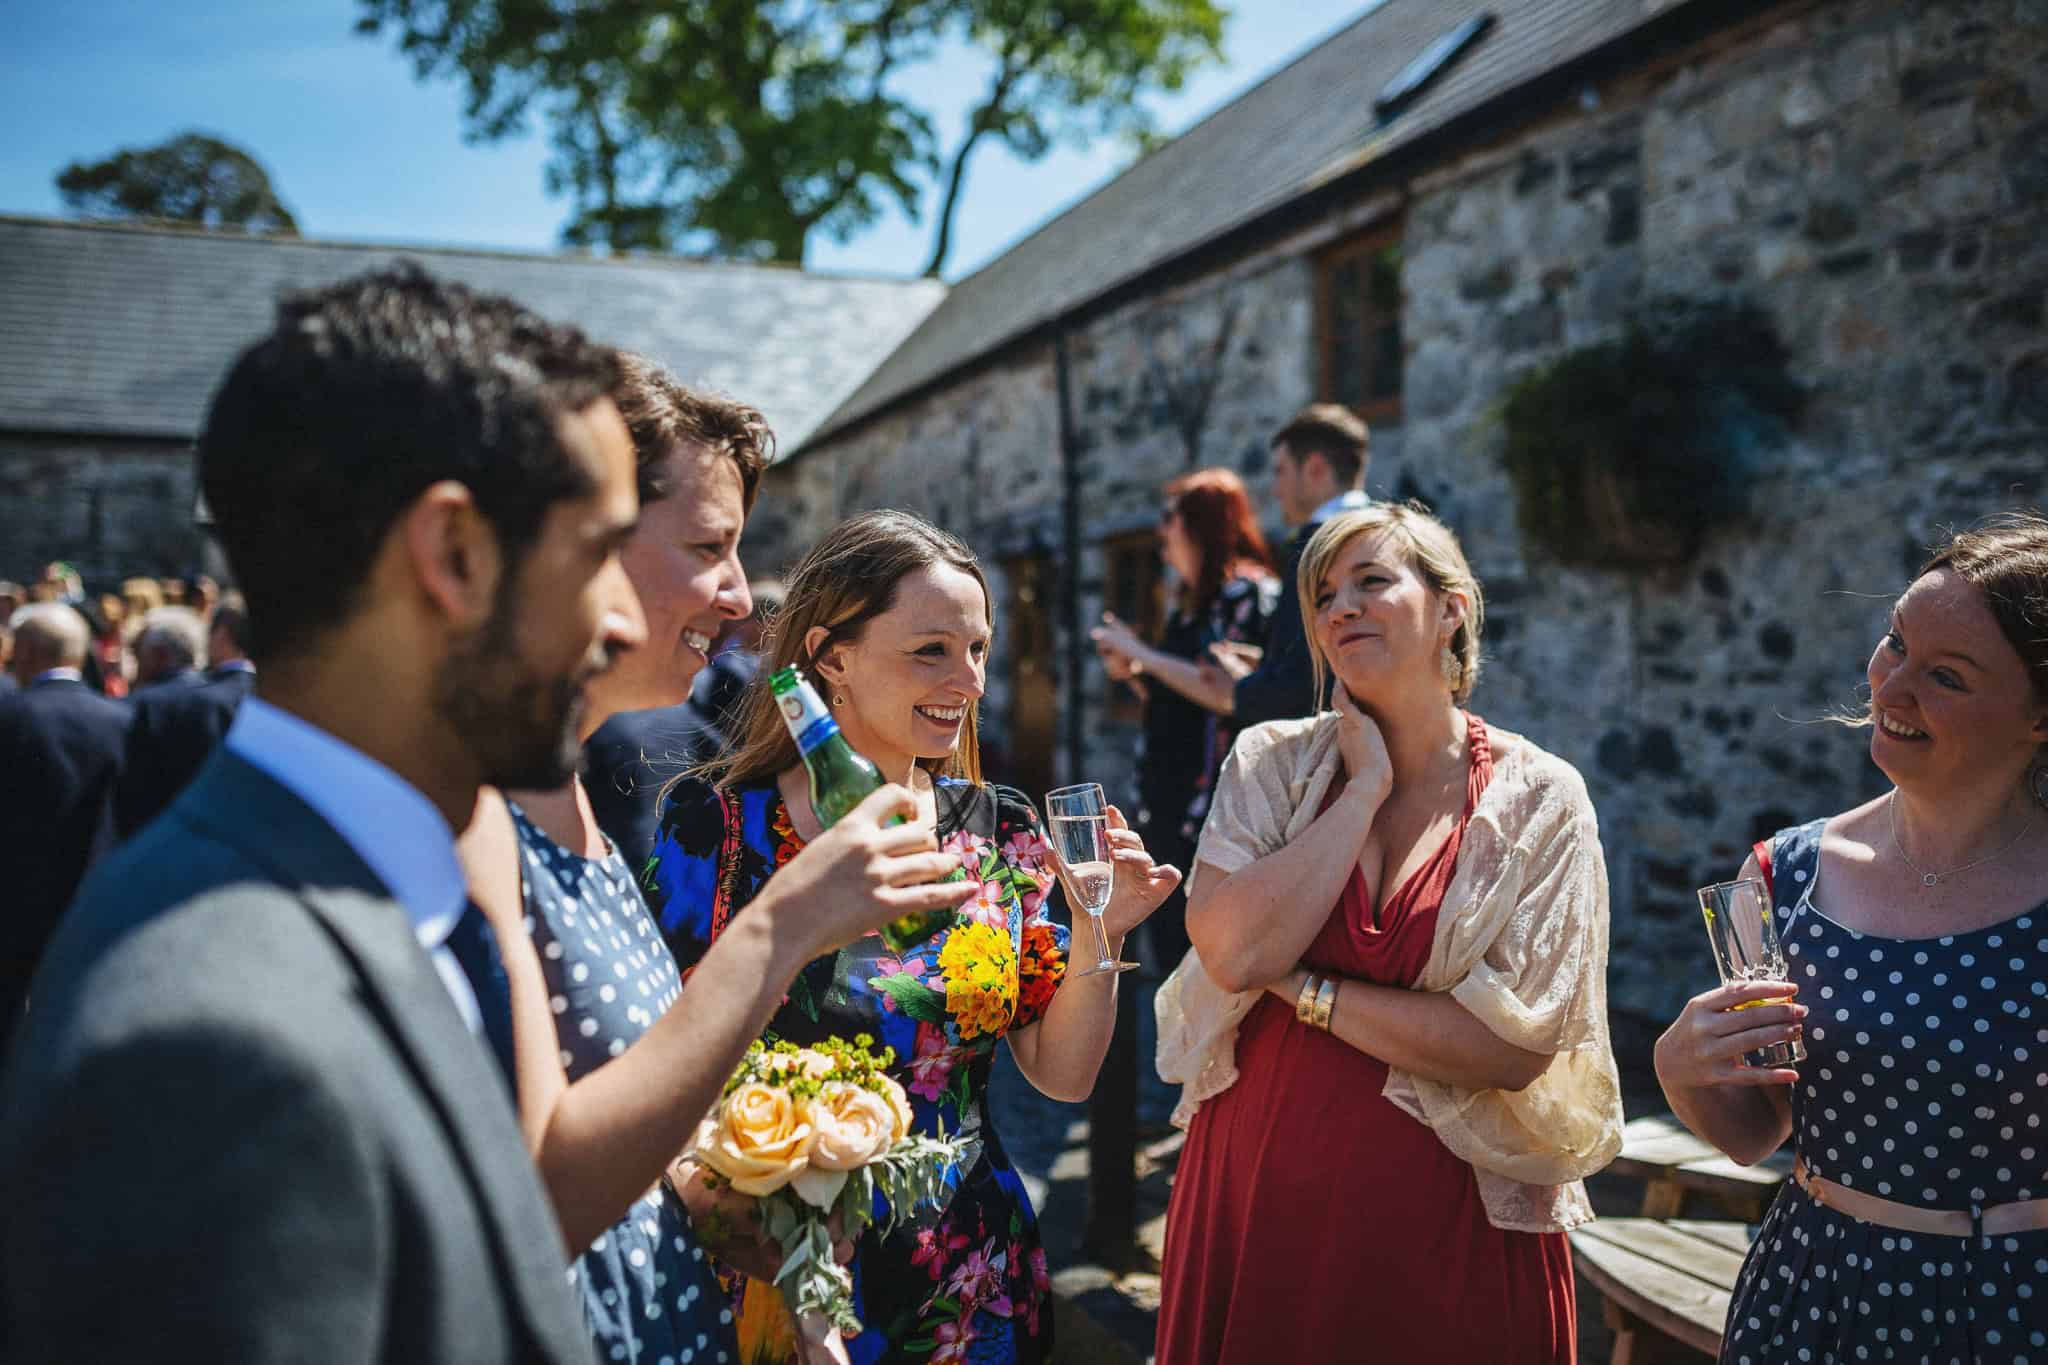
{"x":838,"y":700}
{"x":1453,"y":671}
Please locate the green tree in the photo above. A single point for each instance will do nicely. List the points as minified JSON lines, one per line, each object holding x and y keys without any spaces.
{"x":1071,"y":69}
{"x":742,"y":126}
{"x":192,"y":178}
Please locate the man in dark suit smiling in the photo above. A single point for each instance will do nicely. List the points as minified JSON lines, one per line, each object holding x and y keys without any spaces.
{"x":252,"y":1115}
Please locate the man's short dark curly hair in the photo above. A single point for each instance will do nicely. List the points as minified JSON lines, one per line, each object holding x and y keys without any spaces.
{"x":365,"y":394}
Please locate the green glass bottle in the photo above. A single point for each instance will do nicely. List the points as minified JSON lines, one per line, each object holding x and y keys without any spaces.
{"x":840,"y":780}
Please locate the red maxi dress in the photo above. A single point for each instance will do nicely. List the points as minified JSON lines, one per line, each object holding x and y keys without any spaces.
{"x":1313,"y":1220}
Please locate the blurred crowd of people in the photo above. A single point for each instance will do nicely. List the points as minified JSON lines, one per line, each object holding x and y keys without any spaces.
{"x":151,"y":629}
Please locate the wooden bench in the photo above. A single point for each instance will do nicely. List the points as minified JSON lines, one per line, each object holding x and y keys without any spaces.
{"x":1673,"y":1164}
{"x":1669,"y":1275}
{"x":1666,"y":1277}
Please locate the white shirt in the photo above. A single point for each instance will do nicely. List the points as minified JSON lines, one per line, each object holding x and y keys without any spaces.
{"x":1350,"y":500}
{"x":384,"y":818}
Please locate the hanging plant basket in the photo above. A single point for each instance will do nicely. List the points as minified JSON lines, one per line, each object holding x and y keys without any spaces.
{"x":1629,"y":452}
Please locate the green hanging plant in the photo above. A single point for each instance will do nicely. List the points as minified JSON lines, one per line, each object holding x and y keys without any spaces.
{"x":1629,"y":451}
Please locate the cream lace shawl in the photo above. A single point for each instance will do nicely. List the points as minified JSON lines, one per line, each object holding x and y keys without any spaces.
{"x":1521,"y":942}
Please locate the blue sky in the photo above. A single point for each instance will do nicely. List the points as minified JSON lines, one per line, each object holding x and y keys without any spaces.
{"x":362,"y":150}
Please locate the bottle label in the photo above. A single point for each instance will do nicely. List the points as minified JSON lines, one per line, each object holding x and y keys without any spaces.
{"x":816,"y":733}
{"x":807,"y":718}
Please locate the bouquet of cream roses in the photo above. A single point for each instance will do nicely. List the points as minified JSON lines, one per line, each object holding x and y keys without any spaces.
{"x":811,"y":1130}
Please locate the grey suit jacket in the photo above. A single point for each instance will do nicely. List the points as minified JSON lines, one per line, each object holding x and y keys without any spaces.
{"x":245,"y":1122}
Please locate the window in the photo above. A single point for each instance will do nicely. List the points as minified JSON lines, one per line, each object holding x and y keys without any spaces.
{"x":1358,"y":325}
{"x":1131,"y":588}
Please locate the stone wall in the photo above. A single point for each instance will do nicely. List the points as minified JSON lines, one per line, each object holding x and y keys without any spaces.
{"x":1874,"y":175}
{"x":1871,"y":174}
{"x":114,"y":507}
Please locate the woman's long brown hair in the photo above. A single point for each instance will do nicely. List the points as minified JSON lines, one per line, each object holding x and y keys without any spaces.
{"x":1217,"y":514}
{"x":849,"y":578}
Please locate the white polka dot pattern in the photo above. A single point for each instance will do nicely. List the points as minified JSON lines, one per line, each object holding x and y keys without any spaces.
{"x":646,"y":1291}
{"x":1926,"y":1083}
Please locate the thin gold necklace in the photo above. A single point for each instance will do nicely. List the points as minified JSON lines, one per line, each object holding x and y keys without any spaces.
{"x":1937,"y":878}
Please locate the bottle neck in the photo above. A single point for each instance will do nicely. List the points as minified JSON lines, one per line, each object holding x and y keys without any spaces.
{"x":810,"y":724}
{"x":816,"y":735}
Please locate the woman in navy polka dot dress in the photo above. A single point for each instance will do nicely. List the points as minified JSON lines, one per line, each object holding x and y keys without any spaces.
{"x":1916,"y":938}
{"x":648,"y":1294}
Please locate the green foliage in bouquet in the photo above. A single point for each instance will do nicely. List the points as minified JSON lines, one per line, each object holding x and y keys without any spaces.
{"x":910,"y":1176}
{"x":1629,"y":451}
{"x":815,"y":1132}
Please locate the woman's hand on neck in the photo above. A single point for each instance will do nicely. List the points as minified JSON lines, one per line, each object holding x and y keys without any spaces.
{"x":1420,"y":728}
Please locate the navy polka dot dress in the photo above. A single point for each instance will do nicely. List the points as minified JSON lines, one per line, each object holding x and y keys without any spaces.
{"x":648,"y":1293}
{"x":1926,"y":1083}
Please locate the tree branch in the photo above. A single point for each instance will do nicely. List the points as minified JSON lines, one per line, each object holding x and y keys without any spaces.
{"x":983,"y":122}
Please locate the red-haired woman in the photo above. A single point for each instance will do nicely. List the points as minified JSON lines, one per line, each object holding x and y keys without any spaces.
{"x":1227,"y":593}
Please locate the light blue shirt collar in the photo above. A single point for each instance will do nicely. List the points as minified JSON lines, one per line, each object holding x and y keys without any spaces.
{"x":57,"y":675}
{"x":234,"y":666}
{"x":1350,"y":500}
{"x":385,"y":819}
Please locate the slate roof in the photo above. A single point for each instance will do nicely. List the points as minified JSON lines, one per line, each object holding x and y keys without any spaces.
{"x":122,"y":330}
{"x":1305,"y":126}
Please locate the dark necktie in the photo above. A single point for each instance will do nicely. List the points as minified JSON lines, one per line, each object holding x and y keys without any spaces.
{"x":476,"y":950}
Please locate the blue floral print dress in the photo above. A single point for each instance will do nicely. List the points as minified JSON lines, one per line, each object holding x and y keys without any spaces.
{"x":968,"y":1282}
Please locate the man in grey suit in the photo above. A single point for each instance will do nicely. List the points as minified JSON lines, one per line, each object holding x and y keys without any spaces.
{"x":252,"y":1116}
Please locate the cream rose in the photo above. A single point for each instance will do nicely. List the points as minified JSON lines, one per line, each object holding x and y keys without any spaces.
{"x":759,"y":1139}
{"x":899,"y":1107}
{"x":850,"y":1127}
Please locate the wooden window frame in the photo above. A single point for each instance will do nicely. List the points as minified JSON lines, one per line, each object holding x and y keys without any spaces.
{"x":1369,"y":243}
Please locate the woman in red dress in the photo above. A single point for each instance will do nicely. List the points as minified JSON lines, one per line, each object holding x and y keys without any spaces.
{"x":1394,"y":1041}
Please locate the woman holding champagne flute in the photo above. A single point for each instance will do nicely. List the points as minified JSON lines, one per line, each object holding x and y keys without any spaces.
{"x":1916,"y":941}
{"x":1392,"y":1031}
{"x":890,"y":618}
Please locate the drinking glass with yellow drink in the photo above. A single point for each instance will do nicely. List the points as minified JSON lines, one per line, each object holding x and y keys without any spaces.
{"x":1746,"y":948}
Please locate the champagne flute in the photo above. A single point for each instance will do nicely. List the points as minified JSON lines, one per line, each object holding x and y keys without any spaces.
{"x":1746,"y":948}
{"x":1079,"y":817}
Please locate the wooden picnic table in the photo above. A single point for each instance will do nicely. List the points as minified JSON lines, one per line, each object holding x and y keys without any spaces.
{"x":1673,"y":1276}
{"x":1663,"y":1276}
{"x":1672,"y":1164}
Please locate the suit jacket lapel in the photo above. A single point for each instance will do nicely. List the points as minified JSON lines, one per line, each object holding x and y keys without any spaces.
{"x":247,"y":807}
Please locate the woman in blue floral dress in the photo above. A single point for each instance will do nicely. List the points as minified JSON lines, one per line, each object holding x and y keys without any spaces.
{"x":890,"y":616}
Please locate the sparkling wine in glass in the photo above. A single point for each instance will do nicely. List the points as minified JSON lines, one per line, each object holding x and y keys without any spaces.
{"x":1746,"y":948}
{"x":1079,"y":820}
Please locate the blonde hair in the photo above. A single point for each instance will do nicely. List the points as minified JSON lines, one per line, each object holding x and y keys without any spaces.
{"x":848,"y":578}
{"x":1432,"y":550}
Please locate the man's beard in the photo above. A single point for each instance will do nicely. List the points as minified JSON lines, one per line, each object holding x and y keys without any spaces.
{"x":518,"y":725}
